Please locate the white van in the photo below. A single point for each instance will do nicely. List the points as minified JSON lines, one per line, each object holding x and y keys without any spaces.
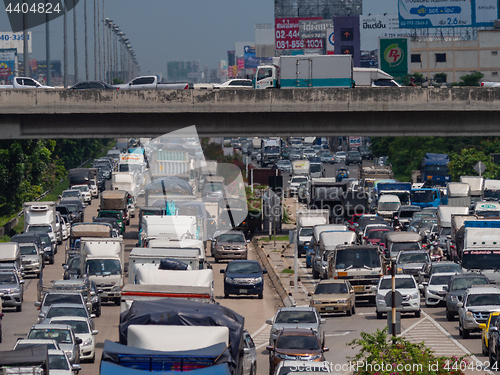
{"x":388,"y":204}
{"x":328,"y":242}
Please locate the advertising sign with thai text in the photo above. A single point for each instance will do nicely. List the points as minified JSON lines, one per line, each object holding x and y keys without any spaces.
{"x":377,"y":26}
{"x":429,"y":14}
{"x":287,"y":35}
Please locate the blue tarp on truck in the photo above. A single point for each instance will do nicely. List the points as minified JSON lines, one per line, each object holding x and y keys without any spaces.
{"x":123,"y":357}
{"x":434,"y":170}
{"x":109,"y":368}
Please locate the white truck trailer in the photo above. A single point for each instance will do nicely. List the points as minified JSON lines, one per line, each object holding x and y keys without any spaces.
{"x":43,"y":216}
{"x":306,"y":221}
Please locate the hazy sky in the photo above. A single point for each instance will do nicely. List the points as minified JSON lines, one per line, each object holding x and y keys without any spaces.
{"x":160,"y":30}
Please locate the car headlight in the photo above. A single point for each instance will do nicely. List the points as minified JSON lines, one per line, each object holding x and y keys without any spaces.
{"x":342,"y":301}
{"x":284,"y":356}
{"x":229,"y":279}
{"x":313,"y":357}
{"x":116,"y":288}
{"x":257,"y":280}
{"x":15,"y":290}
{"x":87,"y":342}
{"x":70,"y":354}
{"x":468,"y":315}
{"x":414,"y":295}
{"x":380,"y":297}
{"x":95,"y":299}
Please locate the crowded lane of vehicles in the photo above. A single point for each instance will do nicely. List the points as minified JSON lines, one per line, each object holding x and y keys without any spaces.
{"x":166,"y":251}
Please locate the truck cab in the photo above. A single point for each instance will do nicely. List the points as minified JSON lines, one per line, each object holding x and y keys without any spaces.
{"x":266,"y":77}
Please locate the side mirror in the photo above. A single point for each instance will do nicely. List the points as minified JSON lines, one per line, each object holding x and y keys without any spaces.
{"x":322,"y":321}
{"x":326,"y":349}
{"x":92,"y":316}
{"x":269,"y":321}
{"x":493,"y":329}
{"x":248,"y":241}
{"x":95,"y":332}
{"x":21,"y":281}
{"x":482,"y":326}
{"x":425,"y":283}
{"x":78,"y":341}
{"x":38,"y":304}
{"x":246,"y":350}
{"x":310,"y":294}
{"x":269,"y":348}
{"x":373,"y":288}
{"x":460,"y":304}
{"x":420,"y":287}
{"x":76,"y":367}
{"x":264,"y":271}
{"x":222,"y":271}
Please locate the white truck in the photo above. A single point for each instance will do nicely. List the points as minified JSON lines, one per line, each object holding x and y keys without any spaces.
{"x":289,"y":72}
{"x":270,"y":151}
{"x":125,"y":181}
{"x":151,"y":82}
{"x":444,"y":224}
{"x":41,"y":216}
{"x":306,"y":221}
{"x":102,"y":259}
{"x":372,"y":77}
{"x":176,"y":164}
{"x":458,"y":194}
{"x":167,"y":227}
{"x":25,"y":83}
{"x":476,"y":184}
{"x":328,"y":242}
{"x":317,"y":230}
{"x":491,"y":190}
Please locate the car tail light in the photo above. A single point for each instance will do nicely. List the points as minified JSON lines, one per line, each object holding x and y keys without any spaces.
{"x":187,"y":86}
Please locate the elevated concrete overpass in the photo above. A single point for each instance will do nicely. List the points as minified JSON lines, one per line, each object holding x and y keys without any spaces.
{"x":406,"y":111}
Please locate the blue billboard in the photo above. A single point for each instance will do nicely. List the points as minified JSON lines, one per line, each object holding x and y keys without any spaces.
{"x":252,"y":62}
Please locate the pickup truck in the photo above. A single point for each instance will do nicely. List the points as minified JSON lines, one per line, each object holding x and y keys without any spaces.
{"x":151,"y":82}
{"x":25,"y":83}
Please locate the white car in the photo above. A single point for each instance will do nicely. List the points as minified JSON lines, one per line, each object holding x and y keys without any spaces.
{"x":65,"y":229}
{"x":84,"y":189}
{"x":340,"y":157}
{"x":409,"y":289}
{"x":249,"y":355}
{"x":288,"y":366}
{"x":295,"y":182}
{"x":237,"y":83}
{"x":59,"y":363}
{"x":83,"y":330}
{"x":434,"y":289}
{"x":94,"y":190}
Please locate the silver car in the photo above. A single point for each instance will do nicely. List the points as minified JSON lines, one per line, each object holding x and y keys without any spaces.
{"x":32,"y":258}
{"x":12,"y":288}
{"x":63,"y":334}
{"x":249,"y":355}
{"x":297,"y":317}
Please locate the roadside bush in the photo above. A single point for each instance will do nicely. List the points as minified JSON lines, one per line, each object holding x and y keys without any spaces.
{"x":379,"y":355}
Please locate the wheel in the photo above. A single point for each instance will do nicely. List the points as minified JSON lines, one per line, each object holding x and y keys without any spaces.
{"x":117,"y":301}
{"x":253,"y":369}
{"x":379,"y":315}
{"x":484,"y":350}
{"x":353,"y":309}
{"x":261,"y":296}
{"x":449,"y":316}
{"x":226,"y":295}
{"x":51,"y":260}
{"x":493,"y":363}
{"x":19,"y":308}
{"x":465,"y":333}
{"x":349,"y":312}
{"x":417,"y":314}
{"x":315,"y":274}
{"x":98,"y":312}
{"x":92,"y":360}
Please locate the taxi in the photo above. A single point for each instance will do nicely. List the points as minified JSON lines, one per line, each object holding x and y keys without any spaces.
{"x":485,"y":327}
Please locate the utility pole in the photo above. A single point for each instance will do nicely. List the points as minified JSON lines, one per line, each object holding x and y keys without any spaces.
{"x":65,"y":33}
{"x":74,"y":41}
{"x":47,"y":48}
{"x":25,"y":42}
{"x":99,"y":41}
{"x":86,"y":47}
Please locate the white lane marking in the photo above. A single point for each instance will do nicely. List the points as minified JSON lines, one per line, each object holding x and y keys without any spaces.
{"x":264,"y":326}
{"x":261,"y":346}
{"x":367,"y":313}
{"x":338,"y":334}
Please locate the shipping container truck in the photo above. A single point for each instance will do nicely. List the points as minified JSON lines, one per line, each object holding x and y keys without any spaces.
{"x":372,"y":77}
{"x":434,"y":169}
{"x":288,"y":72}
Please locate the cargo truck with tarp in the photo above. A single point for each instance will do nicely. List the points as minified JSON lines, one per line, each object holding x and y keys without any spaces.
{"x":79,"y":230}
{"x":168,"y":189}
{"x":172,"y":312}
{"x":28,"y":361}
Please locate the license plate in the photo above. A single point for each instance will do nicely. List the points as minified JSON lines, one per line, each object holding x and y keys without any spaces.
{"x":243,"y":291}
{"x":359,"y":288}
{"x":329,"y":308}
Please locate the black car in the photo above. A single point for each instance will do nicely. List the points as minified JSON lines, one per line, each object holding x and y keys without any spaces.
{"x":95,"y":298}
{"x":365,"y":153}
{"x":456,"y":288}
{"x":72,"y":268}
{"x":243,"y":277}
{"x":28,"y":238}
{"x":353,"y":157}
{"x":92,"y":85}
{"x":47,"y":247}
{"x":75,"y":209}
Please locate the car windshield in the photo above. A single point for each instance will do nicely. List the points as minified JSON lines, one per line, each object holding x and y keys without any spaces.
{"x":58,"y":362}
{"x":103,"y":267}
{"x":376,"y":234}
{"x":52,"y":298}
{"x":213,"y":186}
{"x":78,"y":326}
{"x":67,"y":311}
{"x":427,"y":223}
{"x":40,"y":228}
{"x":306,"y":232}
{"x":440,"y":280}
{"x":284,"y":163}
{"x":115,"y":215}
{"x":331,"y":288}
{"x":62,"y":336}
{"x":28,"y":250}
{"x":357,"y":258}
{"x":483,"y":299}
{"x":406,"y":213}
{"x":243,"y":267}
{"x":316,"y":168}
{"x":80,"y":187}
{"x":399,"y":246}
{"x":297,"y":180}
{"x":72,"y":207}
{"x":446,"y":231}
{"x":467,"y":282}
{"x":413,"y":258}
{"x":452,"y":268}
{"x":45,"y":240}
{"x":8,"y":278}
{"x":401,"y":283}
{"x":71,"y":193}
{"x":297,"y":342}
{"x":231,"y":237}
{"x":298,"y":316}
{"x":388,"y":206}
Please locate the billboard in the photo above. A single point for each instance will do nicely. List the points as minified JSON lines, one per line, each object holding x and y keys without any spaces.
{"x":330,"y":41}
{"x":287,"y":35}
{"x":347,"y":39}
{"x":8,"y":39}
{"x":8,"y":62}
{"x":355,"y":142}
{"x":394,"y":56}
{"x":447,"y":13}
{"x":252,"y":62}
{"x":377,"y":26}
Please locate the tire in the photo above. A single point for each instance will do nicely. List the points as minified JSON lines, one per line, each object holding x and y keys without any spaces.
{"x":253,"y":370}
{"x":98,"y":312}
{"x":51,"y":260}
{"x":19,"y":308}
{"x":449,"y":316}
{"x":260,"y":296}
{"x":92,"y":360}
{"x":226,"y":295}
{"x":493,"y":363}
{"x":315,"y":274}
{"x":465,"y":333}
{"x":117,"y":301}
{"x":353,"y":310}
{"x":379,"y":315}
{"x":417,"y":314}
{"x":484,"y":350}
{"x":349,"y":312}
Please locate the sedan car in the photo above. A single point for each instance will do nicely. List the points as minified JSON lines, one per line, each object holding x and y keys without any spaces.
{"x":59,"y":363}
{"x":456,"y":289}
{"x":340,"y":157}
{"x":353,"y":157}
{"x":295,"y":344}
{"x":434,"y":290}
{"x":296,"y":317}
{"x":92,"y":85}
{"x":12,"y":288}
{"x":244,"y":277}
{"x":64,"y":336}
{"x":284,"y":165}
{"x":58,"y":297}
{"x":82,"y":329}
{"x":334,"y":296}
{"x":409,"y":289}
{"x":327,"y":157}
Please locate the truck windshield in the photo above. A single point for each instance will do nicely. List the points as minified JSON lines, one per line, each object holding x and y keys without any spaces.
{"x":487,"y":213}
{"x":388,"y":206}
{"x":315,"y":168}
{"x":413,"y":258}
{"x":40,"y":228}
{"x":481,"y":259}
{"x":271,"y":150}
{"x":28,"y":250}
{"x":440,"y":280}
{"x":306,"y":232}
{"x":357,"y":258}
{"x":399,"y":246}
{"x":422,"y":196}
{"x":492,"y":194}
{"x":103,"y":267}
{"x":437,"y":170}
{"x":298,"y":180}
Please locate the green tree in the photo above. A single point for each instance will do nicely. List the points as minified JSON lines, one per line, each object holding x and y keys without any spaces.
{"x":418,"y":79}
{"x":440,"y":77}
{"x":462,"y":164}
{"x":472,"y":79}
{"x":118,"y":81}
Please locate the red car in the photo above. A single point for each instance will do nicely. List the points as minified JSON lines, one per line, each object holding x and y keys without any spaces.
{"x":374,"y":235}
{"x":354,"y":221}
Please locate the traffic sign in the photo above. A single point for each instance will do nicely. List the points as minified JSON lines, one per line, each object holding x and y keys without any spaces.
{"x":388,"y":299}
{"x":480,"y":167}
